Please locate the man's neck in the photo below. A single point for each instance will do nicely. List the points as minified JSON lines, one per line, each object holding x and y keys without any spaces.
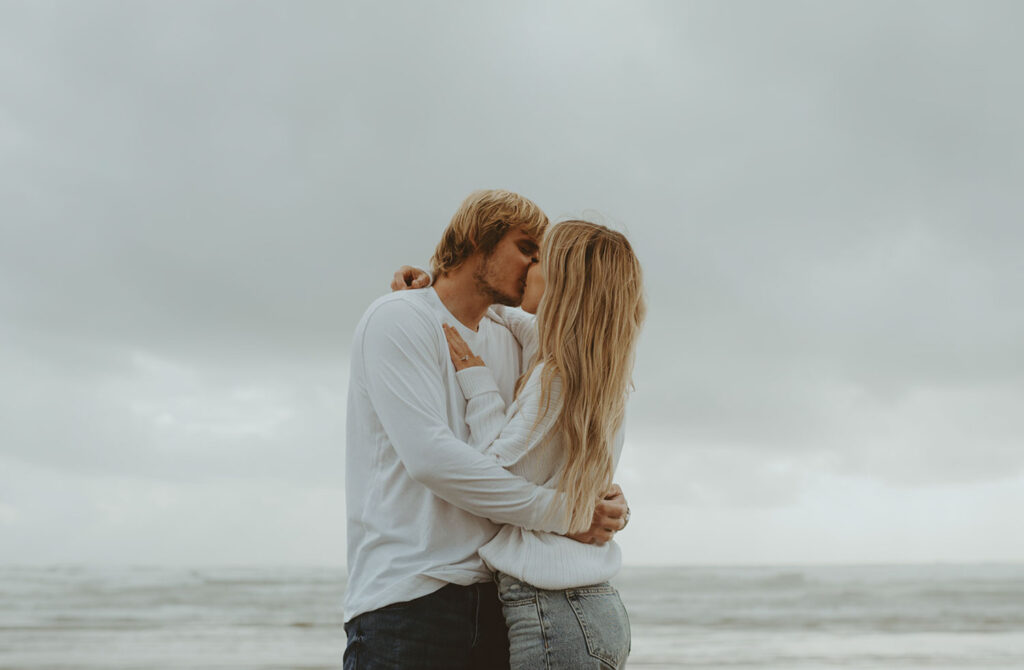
{"x":458,"y":291}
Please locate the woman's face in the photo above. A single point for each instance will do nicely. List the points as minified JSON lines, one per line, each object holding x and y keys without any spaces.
{"x":534,"y":289}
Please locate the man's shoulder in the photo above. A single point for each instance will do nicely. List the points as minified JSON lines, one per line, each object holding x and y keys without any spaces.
{"x":408,"y":306}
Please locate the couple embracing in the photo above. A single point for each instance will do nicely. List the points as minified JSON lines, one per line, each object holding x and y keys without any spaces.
{"x":481,"y":444}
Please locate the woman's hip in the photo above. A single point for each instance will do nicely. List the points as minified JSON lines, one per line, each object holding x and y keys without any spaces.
{"x":584,"y":627}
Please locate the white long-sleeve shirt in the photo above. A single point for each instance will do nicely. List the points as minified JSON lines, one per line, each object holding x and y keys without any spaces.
{"x":420,"y":501}
{"x":516,"y":440}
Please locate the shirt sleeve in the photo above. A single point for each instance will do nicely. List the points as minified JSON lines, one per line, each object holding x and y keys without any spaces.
{"x":485,"y":408}
{"x":523,"y":327}
{"x":508,"y":437}
{"x":403,"y":368}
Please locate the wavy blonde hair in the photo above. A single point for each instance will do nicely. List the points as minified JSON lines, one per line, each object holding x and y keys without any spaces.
{"x":479,"y":224}
{"x":588,"y":323}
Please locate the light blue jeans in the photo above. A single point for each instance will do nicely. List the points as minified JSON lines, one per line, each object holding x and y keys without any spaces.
{"x":573,"y":629}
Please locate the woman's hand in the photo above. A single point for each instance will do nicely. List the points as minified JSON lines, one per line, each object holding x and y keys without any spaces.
{"x":409,"y":277}
{"x":462,"y":355}
{"x":610,"y":516}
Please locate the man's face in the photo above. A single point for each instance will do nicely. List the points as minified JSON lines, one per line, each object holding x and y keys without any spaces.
{"x":501,"y":274}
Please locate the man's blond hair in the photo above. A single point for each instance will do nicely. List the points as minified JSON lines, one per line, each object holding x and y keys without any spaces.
{"x":479,"y":224}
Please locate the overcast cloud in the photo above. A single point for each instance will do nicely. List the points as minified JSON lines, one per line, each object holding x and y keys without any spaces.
{"x":200,"y":198}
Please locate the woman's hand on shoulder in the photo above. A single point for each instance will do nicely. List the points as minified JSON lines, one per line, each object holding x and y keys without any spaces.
{"x":407,"y":277}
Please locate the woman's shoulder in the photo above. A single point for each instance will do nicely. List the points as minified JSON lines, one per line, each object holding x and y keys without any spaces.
{"x":533,"y":386}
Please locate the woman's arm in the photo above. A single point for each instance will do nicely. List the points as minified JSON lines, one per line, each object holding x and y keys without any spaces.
{"x":485,"y":408}
{"x":523,"y":327}
{"x":507,"y":435}
{"x":510,"y":436}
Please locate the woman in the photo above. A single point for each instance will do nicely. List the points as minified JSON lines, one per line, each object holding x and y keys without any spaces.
{"x":564,"y":429}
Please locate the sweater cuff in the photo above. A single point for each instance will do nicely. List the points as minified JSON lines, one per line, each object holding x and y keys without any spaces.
{"x":475,"y":381}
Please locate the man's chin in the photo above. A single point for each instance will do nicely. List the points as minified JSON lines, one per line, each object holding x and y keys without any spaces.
{"x":507,"y":300}
{"x":499,"y":298}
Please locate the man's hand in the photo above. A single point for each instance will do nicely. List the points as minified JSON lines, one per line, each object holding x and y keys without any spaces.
{"x":409,"y":277}
{"x":610,"y":516}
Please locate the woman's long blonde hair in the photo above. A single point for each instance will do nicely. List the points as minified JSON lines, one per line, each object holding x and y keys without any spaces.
{"x":588,"y":322}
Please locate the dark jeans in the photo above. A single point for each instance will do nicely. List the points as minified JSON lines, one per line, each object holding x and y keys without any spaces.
{"x":454,"y":628}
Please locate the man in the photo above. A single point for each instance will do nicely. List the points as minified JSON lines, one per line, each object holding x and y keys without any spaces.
{"x":421,"y":502}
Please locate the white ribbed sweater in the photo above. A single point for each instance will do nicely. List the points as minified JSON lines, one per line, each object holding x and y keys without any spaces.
{"x":530,"y":450}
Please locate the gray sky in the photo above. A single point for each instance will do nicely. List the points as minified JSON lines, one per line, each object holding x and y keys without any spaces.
{"x":200,"y":199}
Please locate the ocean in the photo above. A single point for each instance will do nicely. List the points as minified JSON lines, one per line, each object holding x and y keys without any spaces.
{"x":880,"y":617}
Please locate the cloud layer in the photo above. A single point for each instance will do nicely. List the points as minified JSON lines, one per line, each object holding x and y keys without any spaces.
{"x":200,"y":200}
